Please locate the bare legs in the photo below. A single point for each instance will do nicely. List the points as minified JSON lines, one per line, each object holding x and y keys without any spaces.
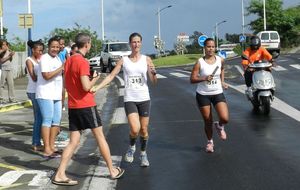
{"x":206,"y":112}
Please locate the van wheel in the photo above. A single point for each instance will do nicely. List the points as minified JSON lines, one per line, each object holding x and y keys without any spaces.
{"x":110,"y":66}
{"x":103,"y":68}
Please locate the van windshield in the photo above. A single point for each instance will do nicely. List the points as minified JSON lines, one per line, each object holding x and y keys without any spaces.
{"x":269,"y":36}
{"x":274,"y":36}
{"x":119,"y":47}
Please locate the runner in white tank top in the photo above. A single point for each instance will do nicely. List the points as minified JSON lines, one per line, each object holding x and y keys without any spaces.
{"x":136,"y":67}
{"x":135,"y":77}
{"x":208,"y":72}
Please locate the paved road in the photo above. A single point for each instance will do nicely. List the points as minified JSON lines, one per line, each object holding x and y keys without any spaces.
{"x":260,"y":153}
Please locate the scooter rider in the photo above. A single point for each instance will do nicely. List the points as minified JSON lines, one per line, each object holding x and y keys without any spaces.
{"x":254,"y":53}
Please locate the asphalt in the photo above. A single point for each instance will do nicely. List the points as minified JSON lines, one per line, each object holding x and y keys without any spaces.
{"x":20,"y":85}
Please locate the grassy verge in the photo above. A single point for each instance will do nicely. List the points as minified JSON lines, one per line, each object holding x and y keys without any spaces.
{"x":175,"y":60}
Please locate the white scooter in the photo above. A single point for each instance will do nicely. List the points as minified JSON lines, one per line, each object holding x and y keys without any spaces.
{"x":263,"y":86}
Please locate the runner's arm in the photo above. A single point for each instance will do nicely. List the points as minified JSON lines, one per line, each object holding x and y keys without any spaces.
{"x":151,"y":71}
{"x":110,"y":77}
{"x":195,"y":78}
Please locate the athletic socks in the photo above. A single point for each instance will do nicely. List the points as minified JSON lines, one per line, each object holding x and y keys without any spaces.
{"x":132,"y":140}
{"x":144,"y":141}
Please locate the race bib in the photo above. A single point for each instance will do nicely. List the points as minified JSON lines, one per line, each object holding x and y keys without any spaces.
{"x":135,"y":82}
{"x":212,"y":85}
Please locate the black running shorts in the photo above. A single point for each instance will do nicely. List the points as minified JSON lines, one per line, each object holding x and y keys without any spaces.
{"x":84,"y":118}
{"x":142,"y":108}
{"x":206,"y":100}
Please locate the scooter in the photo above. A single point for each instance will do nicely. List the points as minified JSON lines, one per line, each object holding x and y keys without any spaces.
{"x":262,"y":89}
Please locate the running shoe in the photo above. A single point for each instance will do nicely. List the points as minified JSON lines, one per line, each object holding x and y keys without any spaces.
{"x":209,"y":147}
{"x":220,"y":130}
{"x":144,"y":160}
{"x":129,"y":154}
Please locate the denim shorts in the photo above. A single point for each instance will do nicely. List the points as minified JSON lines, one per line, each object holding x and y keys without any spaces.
{"x":51,"y":112}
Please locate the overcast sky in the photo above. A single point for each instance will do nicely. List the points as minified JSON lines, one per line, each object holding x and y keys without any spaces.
{"x":122,"y":17}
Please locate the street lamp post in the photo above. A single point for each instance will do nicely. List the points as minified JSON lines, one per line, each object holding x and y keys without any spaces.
{"x":217,"y":38}
{"x":29,"y":29}
{"x":265,"y":22}
{"x":102,"y":20}
{"x":243,"y":19}
{"x":158,"y":17}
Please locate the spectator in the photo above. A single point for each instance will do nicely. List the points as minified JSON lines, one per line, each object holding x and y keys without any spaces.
{"x":48,"y":94}
{"x":7,"y":72}
{"x":32,"y":67}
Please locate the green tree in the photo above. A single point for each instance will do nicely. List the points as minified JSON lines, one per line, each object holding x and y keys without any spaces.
{"x":70,"y":33}
{"x":277,"y":19}
{"x":194,"y":47}
{"x":17,"y":44}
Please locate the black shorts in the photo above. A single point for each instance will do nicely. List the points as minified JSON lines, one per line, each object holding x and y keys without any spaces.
{"x":84,"y":118}
{"x":142,"y":108}
{"x":206,"y":100}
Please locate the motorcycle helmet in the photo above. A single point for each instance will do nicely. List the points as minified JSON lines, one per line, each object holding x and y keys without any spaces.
{"x":255,"y":42}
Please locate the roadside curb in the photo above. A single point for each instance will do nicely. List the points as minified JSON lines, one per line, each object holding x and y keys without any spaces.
{"x":15,"y":106}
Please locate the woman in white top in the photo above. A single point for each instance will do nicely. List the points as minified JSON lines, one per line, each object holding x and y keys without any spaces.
{"x":208,"y":72}
{"x":136,"y":68}
{"x":32,"y":64}
{"x":49,"y":95}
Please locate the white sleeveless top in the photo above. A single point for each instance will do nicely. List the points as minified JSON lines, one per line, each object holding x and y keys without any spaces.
{"x":49,"y":89}
{"x":213,"y":87}
{"x":135,"y":78}
{"x":31,"y":86}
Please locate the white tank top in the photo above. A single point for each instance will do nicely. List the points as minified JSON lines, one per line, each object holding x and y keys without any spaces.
{"x":213,"y":87}
{"x":31,"y":86}
{"x":135,"y":77}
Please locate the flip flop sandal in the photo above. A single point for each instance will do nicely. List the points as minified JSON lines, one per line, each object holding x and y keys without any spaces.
{"x":120,"y":174}
{"x":67,"y":182}
{"x":53,"y":155}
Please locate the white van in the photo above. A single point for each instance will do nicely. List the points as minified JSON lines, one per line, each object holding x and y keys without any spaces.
{"x":271,"y":41}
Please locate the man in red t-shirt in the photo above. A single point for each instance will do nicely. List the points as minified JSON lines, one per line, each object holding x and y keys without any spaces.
{"x":83,"y":112}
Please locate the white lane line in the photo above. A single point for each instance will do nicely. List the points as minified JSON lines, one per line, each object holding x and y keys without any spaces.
{"x":279,"y":68}
{"x":283,"y":60}
{"x":297,"y":66}
{"x":40,"y":177}
{"x":277,"y":104}
{"x":159,"y":76}
{"x":121,"y":80}
{"x":239,"y":68}
{"x":101,"y":179}
{"x":178,"y":70}
{"x":119,"y":116}
{"x":180,"y":75}
{"x":121,"y":91}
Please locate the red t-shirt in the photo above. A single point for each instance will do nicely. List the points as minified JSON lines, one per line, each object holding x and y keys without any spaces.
{"x":77,"y":66}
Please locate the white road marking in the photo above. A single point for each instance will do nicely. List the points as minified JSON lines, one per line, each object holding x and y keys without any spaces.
{"x":101,"y":179}
{"x":121,"y":91}
{"x":239,"y":68}
{"x":119,"y":116}
{"x":180,"y":75}
{"x":40,"y":178}
{"x":277,"y":104}
{"x":159,"y":76}
{"x":279,"y":68}
{"x":283,"y":60}
{"x":297,"y":66}
{"x":188,"y":72}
